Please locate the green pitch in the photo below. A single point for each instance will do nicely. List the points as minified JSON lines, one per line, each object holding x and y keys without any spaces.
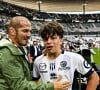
{"x":96,"y":57}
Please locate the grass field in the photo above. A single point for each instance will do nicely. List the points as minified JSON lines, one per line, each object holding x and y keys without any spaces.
{"x":96,"y":57}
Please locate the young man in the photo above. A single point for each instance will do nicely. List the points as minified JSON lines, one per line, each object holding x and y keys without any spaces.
{"x":14,"y":62}
{"x":56,"y":62}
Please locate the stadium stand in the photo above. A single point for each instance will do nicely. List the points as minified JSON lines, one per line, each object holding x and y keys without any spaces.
{"x":58,"y":5}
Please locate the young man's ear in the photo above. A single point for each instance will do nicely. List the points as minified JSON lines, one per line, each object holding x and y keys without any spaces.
{"x":61,"y":40}
{"x":12,"y":31}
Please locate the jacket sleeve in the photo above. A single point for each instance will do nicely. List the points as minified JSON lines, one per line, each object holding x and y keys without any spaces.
{"x":16,"y":74}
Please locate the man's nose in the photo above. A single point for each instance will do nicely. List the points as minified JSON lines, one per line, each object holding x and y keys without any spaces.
{"x":28,"y":34}
{"x":49,"y":40}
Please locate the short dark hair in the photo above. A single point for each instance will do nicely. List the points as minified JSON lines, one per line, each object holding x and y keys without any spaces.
{"x":51,"y":28}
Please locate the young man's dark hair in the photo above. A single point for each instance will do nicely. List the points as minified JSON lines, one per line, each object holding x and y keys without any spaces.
{"x":50,"y":29}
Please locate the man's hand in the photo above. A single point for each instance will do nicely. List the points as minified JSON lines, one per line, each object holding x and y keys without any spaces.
{"x":61,"y":85}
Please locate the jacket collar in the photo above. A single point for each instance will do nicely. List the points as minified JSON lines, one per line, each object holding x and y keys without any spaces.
{"x":6,"y":43}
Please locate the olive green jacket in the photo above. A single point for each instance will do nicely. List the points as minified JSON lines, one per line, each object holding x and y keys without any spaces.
{"x":14,"y":70}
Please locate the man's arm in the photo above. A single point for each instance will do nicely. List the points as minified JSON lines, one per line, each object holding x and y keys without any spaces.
{"x":93,"y":81}
{"x":57,"y":84}
{"x":18,"y":79}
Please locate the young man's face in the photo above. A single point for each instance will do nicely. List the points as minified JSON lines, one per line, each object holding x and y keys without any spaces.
{"x":23,"y":34}
{"x":53,"y":44}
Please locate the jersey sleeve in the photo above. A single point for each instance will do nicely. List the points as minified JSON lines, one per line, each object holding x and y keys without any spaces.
{"x":82,"y":66}
{"x":35,"y":74}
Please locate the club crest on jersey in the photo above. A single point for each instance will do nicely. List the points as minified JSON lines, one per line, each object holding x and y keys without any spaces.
{"x":65,"y":64}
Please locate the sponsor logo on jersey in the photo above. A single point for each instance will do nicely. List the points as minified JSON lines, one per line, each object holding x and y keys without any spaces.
{"x":53,"y":76}
{"x":52,"y":66}
{"x":86,"y":65}
{"x":42,"y":68}
{"x":43,"y":71}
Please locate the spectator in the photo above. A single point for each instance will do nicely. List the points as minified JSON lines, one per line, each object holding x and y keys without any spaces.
{"x":34,"y":50}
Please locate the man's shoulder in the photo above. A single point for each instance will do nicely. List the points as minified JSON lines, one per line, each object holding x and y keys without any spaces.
{"x":40,"y":58}
{"x":4,"y":42}
{"x":71,"y":54}
{"x":7,"y":45}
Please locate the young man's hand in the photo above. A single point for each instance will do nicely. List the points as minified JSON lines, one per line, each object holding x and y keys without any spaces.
{"x":61,"y":85}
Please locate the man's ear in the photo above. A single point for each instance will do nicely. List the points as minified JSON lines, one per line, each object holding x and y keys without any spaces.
{"x":12,"y":31}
